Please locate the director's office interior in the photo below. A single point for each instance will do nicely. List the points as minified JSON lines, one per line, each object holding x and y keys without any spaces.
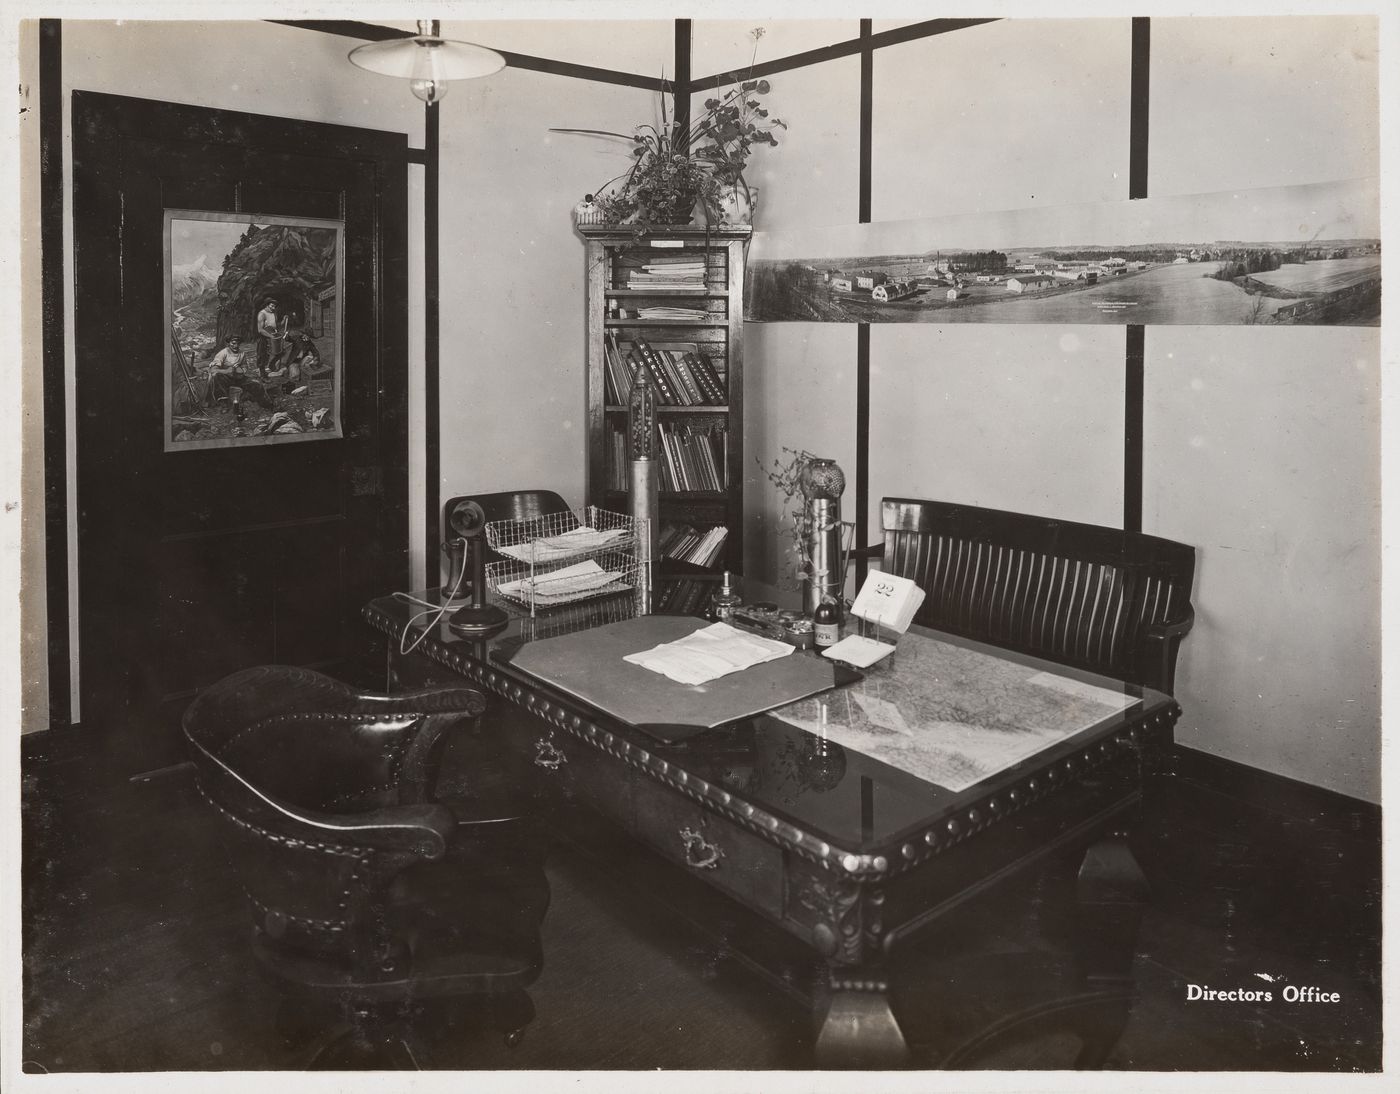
{"x":178,"y":603}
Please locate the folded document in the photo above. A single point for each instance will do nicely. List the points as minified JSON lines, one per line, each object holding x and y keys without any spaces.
{"x":709,"y":653}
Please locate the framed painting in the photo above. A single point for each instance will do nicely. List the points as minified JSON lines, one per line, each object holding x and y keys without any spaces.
{"x":253,"y":303}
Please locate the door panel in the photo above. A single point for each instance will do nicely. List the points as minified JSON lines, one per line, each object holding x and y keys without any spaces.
{"x":196,"y":563}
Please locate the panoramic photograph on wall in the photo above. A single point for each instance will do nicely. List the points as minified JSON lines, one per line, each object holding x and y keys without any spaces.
{"x":1284,"y":255}
{"x":253,"y":306}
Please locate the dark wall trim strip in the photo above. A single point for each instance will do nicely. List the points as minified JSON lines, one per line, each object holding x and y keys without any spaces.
{"x":584,"y":72}
{"x":55,"y":398}
{"x":1132,"y":428}
{"x":1134,"y":368}
{"x":347,"y":28}
{"x":862,"y":469}
{"x":432,"y":399}
{"x":681,"y":102}
{"x":836,"y":50}
{"x":1138,"y":107}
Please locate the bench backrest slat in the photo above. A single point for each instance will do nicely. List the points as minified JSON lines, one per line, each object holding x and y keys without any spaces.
{"x":1079,"y":594}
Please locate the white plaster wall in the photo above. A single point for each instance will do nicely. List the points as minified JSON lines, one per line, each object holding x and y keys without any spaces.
{"x":1262,"y":449}
{"x":799,"y":393}
{"x":1014,"y":114}
{"x":513,"y":338}
{"x":1028,"y":418}
{"x":252,"y":66}
{"x":800,"y":378}
{"x":1262,"y":446}
{"x":727,"y":45}
{"x":643,"y":44}
{"x":27,"y":596}
{"x":1245,"y":102}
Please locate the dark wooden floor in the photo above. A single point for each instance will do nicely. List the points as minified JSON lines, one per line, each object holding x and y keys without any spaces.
{"x":136,"y":956}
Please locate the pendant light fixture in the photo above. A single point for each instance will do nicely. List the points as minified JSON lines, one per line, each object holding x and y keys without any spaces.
{"x":427,"y":61}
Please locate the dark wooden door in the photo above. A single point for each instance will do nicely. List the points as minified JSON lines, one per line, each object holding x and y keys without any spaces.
{"x":192,"y":564}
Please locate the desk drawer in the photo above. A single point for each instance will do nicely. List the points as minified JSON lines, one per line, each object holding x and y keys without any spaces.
{"x":709,"y":846}
{"x":576,"y":771}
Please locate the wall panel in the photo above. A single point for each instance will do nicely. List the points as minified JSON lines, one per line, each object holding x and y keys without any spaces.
{"x":1262,"y":449}
{"x":799,"y":393}
{"x":512,"y":358}
{"x":1006,"y":115}
{"x":1012,"y":417}
{"x":1245,"y":102}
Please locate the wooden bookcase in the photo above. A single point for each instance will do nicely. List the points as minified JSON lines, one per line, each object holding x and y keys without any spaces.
{"x":613,"y":255}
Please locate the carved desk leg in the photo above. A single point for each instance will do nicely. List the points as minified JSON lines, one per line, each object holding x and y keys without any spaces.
{"x":859,"y":1029}
{"x":1112,"y":897}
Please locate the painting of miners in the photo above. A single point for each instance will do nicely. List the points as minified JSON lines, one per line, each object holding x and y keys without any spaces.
{"x":254,"y":350}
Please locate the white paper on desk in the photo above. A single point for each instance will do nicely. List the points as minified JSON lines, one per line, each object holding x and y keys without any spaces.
{"x":858,"y":650}
{"x":709,"y":653}
{"x":568,"y":544}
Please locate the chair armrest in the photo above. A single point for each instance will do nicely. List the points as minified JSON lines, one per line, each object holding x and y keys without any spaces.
{"x":443,"y":709}
{"x":422,"y":829}
{"x":872,"y":551}
{"x":417,"y":831}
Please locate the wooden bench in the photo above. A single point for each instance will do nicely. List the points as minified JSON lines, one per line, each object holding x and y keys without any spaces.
{"x":1102,"y":599}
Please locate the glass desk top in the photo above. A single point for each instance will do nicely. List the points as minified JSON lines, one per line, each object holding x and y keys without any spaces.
{"x":941,"y":725}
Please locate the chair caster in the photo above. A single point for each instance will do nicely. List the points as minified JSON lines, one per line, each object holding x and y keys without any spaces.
{"x":514,"y":1037}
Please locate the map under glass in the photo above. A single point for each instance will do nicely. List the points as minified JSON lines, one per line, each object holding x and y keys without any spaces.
{"x":954,"y":716}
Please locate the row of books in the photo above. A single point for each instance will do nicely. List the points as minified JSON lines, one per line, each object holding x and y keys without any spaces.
{"x":693,"y":457}
{"x":681,"y":273}
{"x":681,"y":374}
{"x":684,"y":595}
{"x":689,"y":544}
{"x":667,"y":311}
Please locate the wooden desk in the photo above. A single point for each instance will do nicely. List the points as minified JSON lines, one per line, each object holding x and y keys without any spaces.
{"x":846,"y":853}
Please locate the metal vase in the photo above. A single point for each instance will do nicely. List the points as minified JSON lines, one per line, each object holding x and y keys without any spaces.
{"x":824,"y":551}
{"x":822,"y":482}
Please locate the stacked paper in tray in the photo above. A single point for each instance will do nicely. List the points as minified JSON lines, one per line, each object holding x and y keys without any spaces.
{"x":561,"y":586}
{"x":709,"y":653}
{"x":576,"y":541}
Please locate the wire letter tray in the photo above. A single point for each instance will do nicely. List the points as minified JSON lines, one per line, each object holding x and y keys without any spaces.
{"x":562,"y":558}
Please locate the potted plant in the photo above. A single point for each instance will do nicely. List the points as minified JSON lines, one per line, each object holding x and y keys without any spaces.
{"x":676,"y":167}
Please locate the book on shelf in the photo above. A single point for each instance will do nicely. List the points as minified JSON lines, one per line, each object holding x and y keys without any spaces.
{"x":651,"y":361}
{"x":687,"y":379}
{"x":686,"y":543}
{"x":617,"y":373}
{"x":666,"y":311}
{"x":686,"y":275}
{"x":671,"y":363}
{"x":694,"y":457}
{"x":706,"y":378}
{"x":685,"y":595}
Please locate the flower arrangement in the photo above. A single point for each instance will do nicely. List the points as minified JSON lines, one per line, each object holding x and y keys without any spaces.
{"x":676,"y":167}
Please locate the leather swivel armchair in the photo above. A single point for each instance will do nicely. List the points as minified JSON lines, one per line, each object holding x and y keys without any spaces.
{"x":366,"y":893}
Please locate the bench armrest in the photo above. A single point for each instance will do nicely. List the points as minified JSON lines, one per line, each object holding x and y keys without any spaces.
{"x":1158,"y":646}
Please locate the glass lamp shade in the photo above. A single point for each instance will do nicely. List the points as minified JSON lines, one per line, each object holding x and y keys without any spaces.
{"x":427,"y":62}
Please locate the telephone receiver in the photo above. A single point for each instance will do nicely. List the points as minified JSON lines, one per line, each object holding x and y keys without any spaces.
{"x":478,"y":619}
